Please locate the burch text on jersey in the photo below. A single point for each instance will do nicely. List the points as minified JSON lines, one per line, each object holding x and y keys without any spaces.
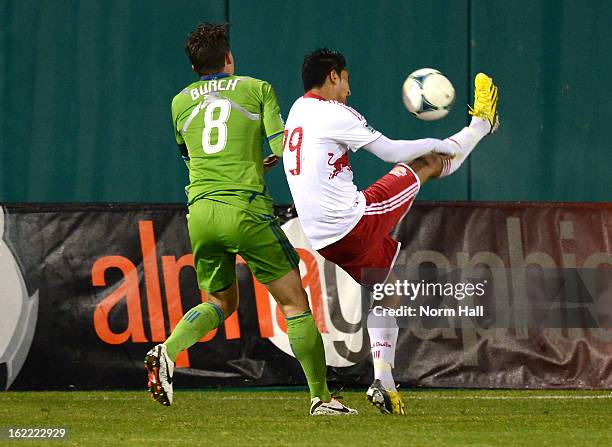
{"x":214,"y":85}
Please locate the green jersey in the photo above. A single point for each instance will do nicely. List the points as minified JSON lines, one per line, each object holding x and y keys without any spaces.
{"x":222,"y":121}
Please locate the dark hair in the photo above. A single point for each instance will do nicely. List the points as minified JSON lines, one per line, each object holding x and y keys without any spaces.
{"x":318,"y":64}
{"x":207,"y":46}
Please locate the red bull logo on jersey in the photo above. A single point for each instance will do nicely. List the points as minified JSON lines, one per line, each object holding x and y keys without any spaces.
{"x":339,"y":164}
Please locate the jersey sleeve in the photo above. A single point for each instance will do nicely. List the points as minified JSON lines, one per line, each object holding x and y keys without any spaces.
{"x":350,"y":128}
{"x":272,"y":120}
{"x":175,"y":125}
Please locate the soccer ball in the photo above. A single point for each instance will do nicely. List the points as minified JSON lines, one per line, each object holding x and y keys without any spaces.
{"x":428,"y":94}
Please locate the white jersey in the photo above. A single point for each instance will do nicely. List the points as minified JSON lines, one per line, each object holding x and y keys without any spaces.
{"x":318,"y":136}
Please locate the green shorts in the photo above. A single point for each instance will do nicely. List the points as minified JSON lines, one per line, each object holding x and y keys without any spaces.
{"x":218,"y":231}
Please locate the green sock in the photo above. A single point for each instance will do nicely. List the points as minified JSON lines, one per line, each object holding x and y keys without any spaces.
{"x":196,"y":323}
{"x":307,"y":345}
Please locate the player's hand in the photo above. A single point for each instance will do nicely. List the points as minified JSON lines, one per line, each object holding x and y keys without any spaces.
{"x":269,"y":162}
{"x":445,"y":147}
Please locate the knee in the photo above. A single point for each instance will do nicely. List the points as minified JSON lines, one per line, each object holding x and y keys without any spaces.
{"x":296,"y":304}
{"x":230,"y":308}
{"x":428,"y":166}
{"x":228,"y":304}
{"x":432,"y":161}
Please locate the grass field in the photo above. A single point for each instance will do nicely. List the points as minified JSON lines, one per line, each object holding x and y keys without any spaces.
{"x":270,"y":417}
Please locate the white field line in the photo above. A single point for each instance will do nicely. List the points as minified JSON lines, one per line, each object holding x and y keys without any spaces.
{"x":552,"y":396}
{"x":407,"y":394}
{"x":411,"y":396}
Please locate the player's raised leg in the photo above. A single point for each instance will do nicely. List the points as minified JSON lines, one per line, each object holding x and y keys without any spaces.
{"x":485,"y":120}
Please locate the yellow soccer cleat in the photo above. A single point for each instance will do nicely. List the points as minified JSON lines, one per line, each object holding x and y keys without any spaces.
{"x":397,"y":404}
{"x":388,"y":402}
{"x":485,"y":100}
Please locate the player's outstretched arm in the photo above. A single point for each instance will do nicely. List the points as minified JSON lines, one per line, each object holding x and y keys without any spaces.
{"x":395,"y":151}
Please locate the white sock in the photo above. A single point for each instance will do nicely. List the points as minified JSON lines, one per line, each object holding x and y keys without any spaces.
{"x":383,"y":332}
{"x":466,"y":139}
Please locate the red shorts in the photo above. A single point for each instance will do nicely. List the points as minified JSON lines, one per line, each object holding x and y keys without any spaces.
{"x":368,"y":253}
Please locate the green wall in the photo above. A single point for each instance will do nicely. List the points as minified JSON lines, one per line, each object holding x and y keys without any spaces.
{"x":553,"y":60}
{"x":85,"y":98}
{"x":85,"y":88}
